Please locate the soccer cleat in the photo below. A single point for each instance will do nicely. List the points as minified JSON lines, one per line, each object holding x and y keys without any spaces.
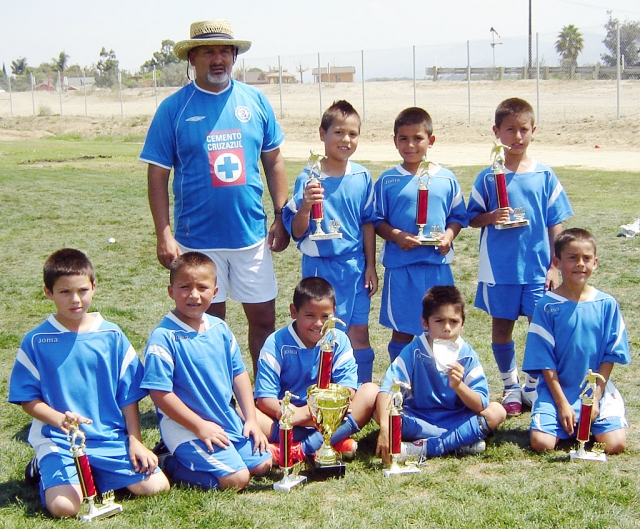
{"x":512,"y":401}
{"x":474,"y":449}
{"x":32,"y":473}
{"x":529,"y":396}
{"x":414,"y":451}
{"x":347,"y":448}
{"x":297,"y":455}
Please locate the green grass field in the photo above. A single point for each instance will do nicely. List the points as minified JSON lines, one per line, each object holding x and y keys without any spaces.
{"x":70,"y":192}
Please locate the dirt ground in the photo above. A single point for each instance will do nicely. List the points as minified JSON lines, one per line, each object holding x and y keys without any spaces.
{"x":577,"y":120}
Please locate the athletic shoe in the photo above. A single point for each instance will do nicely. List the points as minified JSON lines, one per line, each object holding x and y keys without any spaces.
{"x":297,"y":455}
{"x":512,"y":401}
{"x":160,"y":448}
{"x":471,"y":450}
{"x":415,"y":451}
{"x":32,"y":473}
{"x":347,"y":448}
{"x":529,"y":396}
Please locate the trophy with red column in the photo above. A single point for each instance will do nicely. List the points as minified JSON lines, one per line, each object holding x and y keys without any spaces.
{"x":317,"y":210}
{"x":422,"y":208}
{"x":107,"y":506}
{"x":584,"y":423}
{"x":497,"y":164}
{"x":290,"y":479}
{"x":395,"y":431}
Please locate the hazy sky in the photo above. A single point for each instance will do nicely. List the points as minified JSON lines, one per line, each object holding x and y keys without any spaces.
{"x":39,"y":30}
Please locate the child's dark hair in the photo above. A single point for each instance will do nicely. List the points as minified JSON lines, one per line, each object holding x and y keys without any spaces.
{"x":570,"y":235}
{"x":438,"y":296}
{"x":190,"y":260}
{"x":514,"y":106}
{"x":313,"y":288}
{"x":67,"y":262}
{"x":342,"y":109}
{"x":413,"y":116}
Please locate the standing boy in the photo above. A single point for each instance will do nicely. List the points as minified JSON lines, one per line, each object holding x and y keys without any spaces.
{"x":346,"y":194}
{"x":411,"y":268}
{"x":576,"y":328}
{"x":78,"y":370}
{"x":193,"y":367}
{"x":449,"y":406}
{"x":515,"y":264}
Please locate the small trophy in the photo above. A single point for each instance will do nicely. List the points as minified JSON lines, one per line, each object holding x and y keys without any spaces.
{"x":285,"y":462}
{"x":395,"y":431}
{"x":423,"y":206}
{"x":317,"y":211}
{"x":497,"y":153}
{"x":107,"y":506}
{"x":584,"y":424}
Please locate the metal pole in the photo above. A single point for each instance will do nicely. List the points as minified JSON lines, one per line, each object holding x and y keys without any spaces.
{"x":415,"y":104}
{"x":155,"y":85}
{"x":33,"y":96}
{"x":120,"y":85}
{"x":60,"y":85}
{"x":280,"y":82}
{"x":244,"y":73}
{"x":529,"y":35}
{"x":10,"y":96}
{"x":84,"y":84}
{"x":469,"y":83}
{"x":320,"y":85}
{"x":618,"y":73}
{"x":364,"y":114}
{"x":537,"y":80}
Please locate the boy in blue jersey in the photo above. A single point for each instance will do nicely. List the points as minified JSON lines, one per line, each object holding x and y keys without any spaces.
{"x":193,"y":367}
{"x":289,"y":362}
{"x":576,"y":328}
{"x":448,"y":408}
{"x":411,"y":268}
{"x":515,"y":264}
{"x":346,"y":194}
{"x":78,"y":369}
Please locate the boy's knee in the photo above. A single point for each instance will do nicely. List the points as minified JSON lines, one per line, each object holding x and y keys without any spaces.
{"x":263,"y":468}
{"x":63,"y":506}
{"x":494,"y":414}
{"x":154,"y":484}
{"x":615,"y":442}
{"x":238,"y":480}
{"x":542,"y":442}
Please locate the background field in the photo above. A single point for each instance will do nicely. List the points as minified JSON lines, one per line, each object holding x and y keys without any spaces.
{"x":79,"y":189}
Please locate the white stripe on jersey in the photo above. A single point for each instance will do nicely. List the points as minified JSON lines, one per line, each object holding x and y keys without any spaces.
{"x":472,"y":375}
{"x":347,"y":355}
{"x":211,"y":459}
{"x":155,"y":349}
{"x":271,"y":361}
{"x":129,"y":357}
{"x":28,"y":364}
{"x":543,"y":333}
{"x":556,"y":193}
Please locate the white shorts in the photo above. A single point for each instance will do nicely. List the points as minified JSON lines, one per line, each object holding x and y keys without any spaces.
{"x":245,"y":275}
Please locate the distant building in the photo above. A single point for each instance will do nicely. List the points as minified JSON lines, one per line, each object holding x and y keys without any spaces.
{"x":335,"y":74}
{"x":254,"y":78}
{"x":79,"y":82}
{"x":287,"y":78}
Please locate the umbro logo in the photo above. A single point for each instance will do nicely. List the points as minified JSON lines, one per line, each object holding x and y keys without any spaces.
{"x":196,"y":118}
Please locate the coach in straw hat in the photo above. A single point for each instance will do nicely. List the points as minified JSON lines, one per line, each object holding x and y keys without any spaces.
{"x":212,"y":133}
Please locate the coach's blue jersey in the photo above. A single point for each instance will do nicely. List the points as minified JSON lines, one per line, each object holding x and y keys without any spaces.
{"x":431,"y":398}
{"x":285,"y":363}
{"x":347,"y":199}
{"x":521,"y":255}
{"x":396,"y":194}
{"x":94,"y":374}
{"x":571,"y":338}
{"x":213,"y":141}
{"x":199,"y":367}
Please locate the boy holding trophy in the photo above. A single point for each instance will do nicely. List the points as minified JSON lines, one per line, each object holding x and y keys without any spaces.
{"x":76,"y":369}
{"x":576,"y":329}
{"x":515,"y":264}
{"x":331,"y":217}
{"x":412,"y":196}
{"x":448,"y":408}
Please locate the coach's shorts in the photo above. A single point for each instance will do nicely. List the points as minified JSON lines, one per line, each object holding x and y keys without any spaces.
{"x":508,"y":302}
{"x":239,"y":455}
{"x":402,"y":293}
{"x":244,"y":275}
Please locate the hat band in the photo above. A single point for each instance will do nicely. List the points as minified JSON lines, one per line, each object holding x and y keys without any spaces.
{"x":224,"y":36}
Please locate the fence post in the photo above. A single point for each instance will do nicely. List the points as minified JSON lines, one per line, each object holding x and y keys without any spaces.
{"x":537,"y":80}
{"x":280,"y":82}
{"x":60,"y":85}
{"x":84,"y":86}
{"x":120,"y":86}
{"x":10,"y":96}
{"x":414,"y":77}
{"x":33,"y":96}
{"x":435,"y":73}
{"x":469,"y":83}
{"x":320,"y":85}
{"x":364,"y":113}
{"x":155,"y":85}
{"x":618,"y":71}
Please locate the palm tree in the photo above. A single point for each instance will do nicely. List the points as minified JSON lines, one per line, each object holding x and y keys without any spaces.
{"x":19,"y":66}
{"x":60,"y":63}
{"x":569,"y":45}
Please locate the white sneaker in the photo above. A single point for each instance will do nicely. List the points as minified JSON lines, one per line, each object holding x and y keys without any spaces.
{"x":512,"y":401}
{"x":415,"y":451}
{"x":472,"y":450}
{"x":529,"y":396}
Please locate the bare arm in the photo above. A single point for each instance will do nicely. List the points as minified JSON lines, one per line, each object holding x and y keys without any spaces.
{"x":405,"y":240}
{"x":313,"y":194}
{"x":40,"y":410}
{"x":566,"y":415}
{"x":158,"y":193}
{"x":451,"y":232}
{"x":142,"y":459}
{"x":382,"y":416}
{"x":274,"y":170}
{"x":497,"y":216}
{"x":471,"y":398}
{"x":369,"y":243}
{"x":604,"y":369}
{"x":553,"y":275}
{"x":244,"y":394}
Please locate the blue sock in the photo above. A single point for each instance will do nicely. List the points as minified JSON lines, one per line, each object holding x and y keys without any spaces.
{"x":364,"y":359}
{"x":395,"y":348}
{"x":505,"y":355}
{"x":312,"y":442}
{"x":348,"y":427}
{"x":181,"y":474}
{"x":467,"y":433}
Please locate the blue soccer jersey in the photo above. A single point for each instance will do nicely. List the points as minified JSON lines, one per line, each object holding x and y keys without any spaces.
{"x":571,"y":338}
{"x":94,"y":374}
{"x":431,"y":398}
{"x":213,"y":141}
{"x":396,"y":202}
{"x":285,"y":363}
{"x":521,"y":255}
{"x":199,"y":367}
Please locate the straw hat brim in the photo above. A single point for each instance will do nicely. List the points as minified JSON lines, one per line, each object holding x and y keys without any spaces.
{"x":183,"y":47}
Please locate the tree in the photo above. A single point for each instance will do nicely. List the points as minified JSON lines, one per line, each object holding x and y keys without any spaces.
{"x":629,"y":42}
{"x":301,"y":69}
{"x":60,"y":64}
{"x":569,"y":45}
{"x":161,"y":58}
{"x":107,"y":69}
{"x":19,"y":66}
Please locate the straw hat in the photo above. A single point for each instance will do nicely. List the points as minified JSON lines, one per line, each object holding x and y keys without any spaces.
{"x":209,"y":33}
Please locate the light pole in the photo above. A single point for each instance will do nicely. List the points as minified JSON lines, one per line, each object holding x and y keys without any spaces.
{"x":494,"y":33}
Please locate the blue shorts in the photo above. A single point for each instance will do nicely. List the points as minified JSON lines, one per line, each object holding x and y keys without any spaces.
{"x":548,"y":423}
{"x":508,"y":302}
{"x":402,"y":293}
{"x":414,"y":428}
{"x":221,"y":462}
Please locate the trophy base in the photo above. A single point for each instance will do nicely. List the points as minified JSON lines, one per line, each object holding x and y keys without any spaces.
{"x":583,"y":455}
{"x":429,"y":241}
{"x":289,"y":482}
{"x":325,"y":236}
{"x":321,"y":472}
{"x":98,"y":512}
{"x":512,"y":224}
{"x":396,"y":470}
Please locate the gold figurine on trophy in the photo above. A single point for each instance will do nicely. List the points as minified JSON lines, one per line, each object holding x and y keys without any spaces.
{"x":290,"y":479}
{"x":584,"y":423}
{"x":317,"y":210}
{"x":395,"y":431}
{"x":497,"y":164}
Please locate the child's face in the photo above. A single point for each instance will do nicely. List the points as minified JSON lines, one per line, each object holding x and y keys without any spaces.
{"x":515,"y":132}
{"x":341,"y":139}
{"x":72,"y":296}
{"x":193,"y":290}
{"x":444,"y":324}
{"x":412,"y":142}
{"x":577,"y":262}
{"x":310,"y":318}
